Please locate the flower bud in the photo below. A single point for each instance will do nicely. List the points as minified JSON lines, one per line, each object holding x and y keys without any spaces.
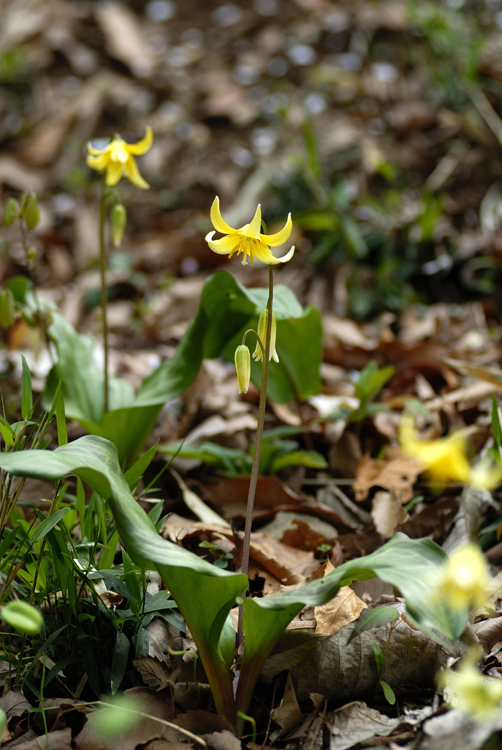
{"x":11,"y":212}
{"x":31,"y":212}
{"x":262,"y":333}
{"x":119,"y":221}
{"x":243,"y":367}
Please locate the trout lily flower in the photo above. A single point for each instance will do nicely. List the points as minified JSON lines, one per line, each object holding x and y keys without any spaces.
{"x":118,"y":159}
{"x":247,"y":240}
{"x":446,"y":460}
{"x":471,"y":692}
{"x":464,"y":581}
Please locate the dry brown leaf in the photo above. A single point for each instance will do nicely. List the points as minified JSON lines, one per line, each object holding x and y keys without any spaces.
{"x":59,"y":740}
{"x":158,"y":705}
{"x":197,"y":506}
{"x":223,"y":740}
{"x":287,"y":714}
{"x":387,"y":513}
{"x":285,"y":563}
{"x":300,"y":530}
{"x":397,"y":475}
{"x":355,"y":723}
{"x":343,"y":609}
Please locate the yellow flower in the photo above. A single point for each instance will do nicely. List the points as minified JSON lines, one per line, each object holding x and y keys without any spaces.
{"x":446,"y":460}
{"x":262,"y":333}
{"x":247,"y":240}
{"x":469,"y":691}
{"x":118,"y":159}
{"x":243,"y":367}
{"x":464,"y":580}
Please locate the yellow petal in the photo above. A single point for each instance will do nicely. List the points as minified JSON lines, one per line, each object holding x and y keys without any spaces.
{"x":132,"y":174}
{"x":274,"y":240}
{"x":119,"y":152}
{"x":114,"y":172}
{"x":141,"y":147}
{"x":98,"y":151}
{"x":216,"y":219}
{"x":98,"y":162}
{"x":252,"y":230}
{"x":223,"y":246}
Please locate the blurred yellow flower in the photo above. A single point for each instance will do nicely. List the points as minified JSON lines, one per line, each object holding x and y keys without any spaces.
{"x":262,"y":333}
{"x":464,"y":581}
{"x":446,"y":459}
{"x":118,"y":159}
{"x":469,"y":691}
{"x":247,"y":240}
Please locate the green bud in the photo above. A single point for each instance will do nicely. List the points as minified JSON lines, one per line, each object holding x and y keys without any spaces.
{"x":119,"y":221}
{"x":262,"y":333}
{"x":243,"y":367}
{"x":11,"y":212}
{"x":31,"y":212}
{"x":6,"y":308}
{"x":23,"y":617}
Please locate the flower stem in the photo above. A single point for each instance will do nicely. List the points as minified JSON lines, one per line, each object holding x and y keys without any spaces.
{"x":257,"y":449}
{"x":104,"y":299}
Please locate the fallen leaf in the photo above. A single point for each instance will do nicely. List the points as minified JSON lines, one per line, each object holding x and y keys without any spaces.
{"x":387,"y":513}
{"x":343,"y":609}
{"x":355,"y":723}
{"x":59,"y":740}
{"x":124,"y":37}
{"x":287,"y":714}
{"x":397,"y":475}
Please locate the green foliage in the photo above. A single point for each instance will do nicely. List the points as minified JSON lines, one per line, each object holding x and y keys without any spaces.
{"x":205,"y":593}
{"x":275,"y":454}
{"x":226,"y":310}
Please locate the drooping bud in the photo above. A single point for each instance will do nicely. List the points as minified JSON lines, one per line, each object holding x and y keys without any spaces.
{"x":11,"y":212}
{"x":119,"y":221}
{"x":262,"y":333}
{"x":243,"y":367}
{"x":31,"y":212}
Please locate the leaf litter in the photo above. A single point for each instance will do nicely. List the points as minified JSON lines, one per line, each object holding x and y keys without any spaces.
{"x":197,"y":83}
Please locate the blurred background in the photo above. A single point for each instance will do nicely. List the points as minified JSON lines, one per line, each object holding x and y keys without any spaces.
{"x":375,"y":123}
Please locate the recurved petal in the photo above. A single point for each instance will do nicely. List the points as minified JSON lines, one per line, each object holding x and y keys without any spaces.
{"x":98,"y":151}
{"x":225,"y":245}
{"x":142,"y":146}
{"x":264,"y":253}
{"x":274,"y":240}
{"x":216,"y":219}
{"x":98,"y":162}
{"x":114,"y":172}
{"x":253,"y":229}
{"x":286,"y":257}
{"x":132,"y":174}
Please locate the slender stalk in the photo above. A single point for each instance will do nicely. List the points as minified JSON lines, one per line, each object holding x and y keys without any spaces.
{"x":104,"y":300}
{"x":257,"y":449}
